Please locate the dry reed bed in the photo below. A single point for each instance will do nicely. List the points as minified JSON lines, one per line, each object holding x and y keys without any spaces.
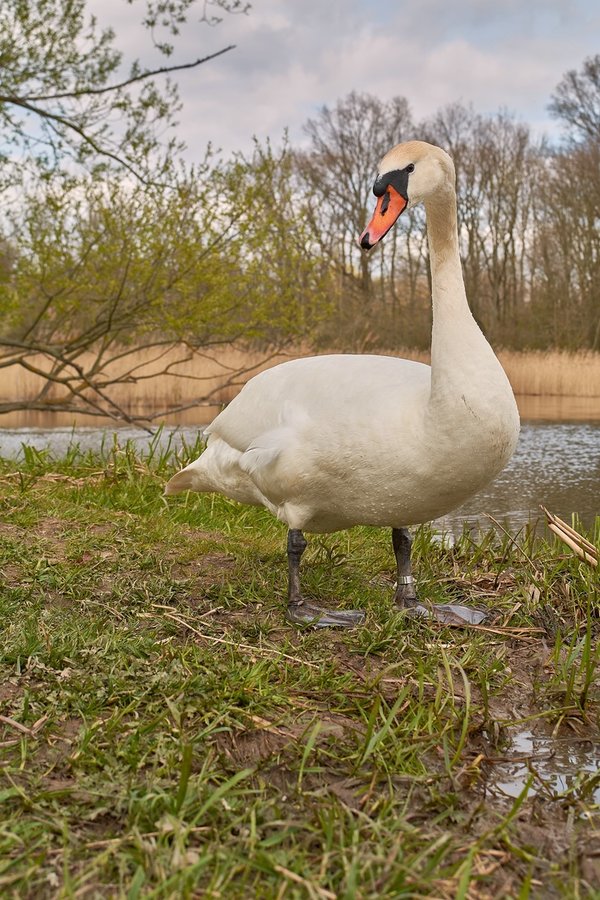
{"x":174,"y":378}
{"x":147,"y":380}
{"x":553,"y":373}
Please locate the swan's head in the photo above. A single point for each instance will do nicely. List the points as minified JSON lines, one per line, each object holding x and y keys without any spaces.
{"x":408,"y":174}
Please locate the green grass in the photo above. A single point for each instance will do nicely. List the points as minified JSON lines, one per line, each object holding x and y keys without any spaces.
{"x":165,"y":734}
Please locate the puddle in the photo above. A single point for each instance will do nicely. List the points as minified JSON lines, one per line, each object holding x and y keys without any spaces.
{"x":558,"y":765}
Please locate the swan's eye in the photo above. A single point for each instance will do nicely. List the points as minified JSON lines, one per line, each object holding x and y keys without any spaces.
{"x":410,"y":168}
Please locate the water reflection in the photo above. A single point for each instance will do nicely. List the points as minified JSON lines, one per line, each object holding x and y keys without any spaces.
{"x":531,"y":408}
{"x":559,"y":409}
{"x":38,"y":420}
{"x":556,"y":463}
{"x":557,"y":764}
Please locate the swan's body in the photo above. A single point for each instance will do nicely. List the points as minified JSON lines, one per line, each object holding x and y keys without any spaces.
{"x":334,"y":441}
{"x":329,"y":442}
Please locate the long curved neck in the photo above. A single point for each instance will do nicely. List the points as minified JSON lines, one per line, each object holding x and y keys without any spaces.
{"x":458,"y":348}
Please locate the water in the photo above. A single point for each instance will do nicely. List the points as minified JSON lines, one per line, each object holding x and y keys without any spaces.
{"x":558,"y":765}
{"x":556,"y":464}
{"x":58,"y":440}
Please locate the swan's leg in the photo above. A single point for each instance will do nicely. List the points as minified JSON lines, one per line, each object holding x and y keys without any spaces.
{"x":406,"y":597}
{"x":304,"y":612}
{"x":296,"y":545}
{"x":405,"y":583}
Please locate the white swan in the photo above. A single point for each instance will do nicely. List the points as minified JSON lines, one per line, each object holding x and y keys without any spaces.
{"x":329,"y":442}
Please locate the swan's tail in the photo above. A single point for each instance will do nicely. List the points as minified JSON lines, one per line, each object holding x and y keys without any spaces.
{"x":217,"y":470}
{"x":192,"y":478}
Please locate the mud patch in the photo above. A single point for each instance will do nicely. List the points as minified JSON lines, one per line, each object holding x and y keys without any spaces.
{"x":10,"y":691}
{"x":208,"y":566}
{"x":52,"y":530}
{"x":246,"y":748}
{"x":7,"y":529}
{"x":254,"y":746}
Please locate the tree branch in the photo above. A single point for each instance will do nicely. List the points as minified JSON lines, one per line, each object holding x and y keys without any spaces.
{"x":149,"y":73}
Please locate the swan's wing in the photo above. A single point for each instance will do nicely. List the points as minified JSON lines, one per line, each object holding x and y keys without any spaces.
{"x":217,"y":469}
{"x":264,"y":452}
{"x":271,"y":459}
{"x":310,"y":396}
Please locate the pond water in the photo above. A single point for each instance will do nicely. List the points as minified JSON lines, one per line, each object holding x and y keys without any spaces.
{"x":556,"y":464}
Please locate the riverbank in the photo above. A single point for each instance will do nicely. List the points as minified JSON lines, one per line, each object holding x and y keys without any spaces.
{"x":552,"y":384}
{"x":164,"y":733}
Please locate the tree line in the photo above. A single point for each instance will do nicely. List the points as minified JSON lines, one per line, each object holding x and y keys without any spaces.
{"x":111,"y":243}
{"x":528,"y":214}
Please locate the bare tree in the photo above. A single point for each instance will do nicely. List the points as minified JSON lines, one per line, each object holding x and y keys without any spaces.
{"x":568,"y":236}
{"x":337,"y":174}
{"x":566,"y":297}
{"x":576,"y":101}
{"x":495,"y":164}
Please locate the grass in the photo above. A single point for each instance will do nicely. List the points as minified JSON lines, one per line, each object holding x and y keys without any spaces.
{"x":164,"y":734}
{"x":164,"y":380}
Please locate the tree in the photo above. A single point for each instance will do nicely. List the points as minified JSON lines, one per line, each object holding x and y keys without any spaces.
{"x":95,"y":271}
{"x":568,"y":238}
{"x":271,"y":247}
{"x":565,"y":301}
{"x":336,"y":174}
{"x":576,"y":101}
{"x":63,"y":97}
{"x":112,"y":284}
{"x":496,"y":166}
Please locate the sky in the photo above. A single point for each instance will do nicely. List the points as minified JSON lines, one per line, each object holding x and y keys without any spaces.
{"x":294,"y":56}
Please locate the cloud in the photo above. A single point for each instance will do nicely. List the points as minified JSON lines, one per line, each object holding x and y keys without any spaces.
{"x":291,"y":58}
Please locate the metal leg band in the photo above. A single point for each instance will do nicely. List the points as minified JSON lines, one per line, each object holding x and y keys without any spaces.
{"x":405,"y":579}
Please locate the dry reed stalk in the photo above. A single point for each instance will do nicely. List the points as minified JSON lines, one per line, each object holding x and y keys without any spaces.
{"x":585,"y":550}
{"x":148,"y":381}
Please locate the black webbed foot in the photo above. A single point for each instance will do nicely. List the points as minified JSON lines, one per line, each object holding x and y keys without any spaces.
{"x":307,"y":613}
{"x":448,"y":613}
{"x":304,"y":612}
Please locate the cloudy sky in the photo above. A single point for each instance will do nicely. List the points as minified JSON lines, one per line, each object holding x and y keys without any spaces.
{"x":293,"y":56}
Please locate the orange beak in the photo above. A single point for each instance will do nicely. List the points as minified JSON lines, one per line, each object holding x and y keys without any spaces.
{"x":388,"y":208}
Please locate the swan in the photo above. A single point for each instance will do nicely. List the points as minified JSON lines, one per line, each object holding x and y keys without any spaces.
{"x":329,"y":442}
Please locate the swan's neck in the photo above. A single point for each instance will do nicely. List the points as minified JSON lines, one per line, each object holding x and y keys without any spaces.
{"x":459,"y":351}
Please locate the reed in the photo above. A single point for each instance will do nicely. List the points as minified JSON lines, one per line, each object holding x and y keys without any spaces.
{"x":553,"y":373}
{"x":147,"y":381}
